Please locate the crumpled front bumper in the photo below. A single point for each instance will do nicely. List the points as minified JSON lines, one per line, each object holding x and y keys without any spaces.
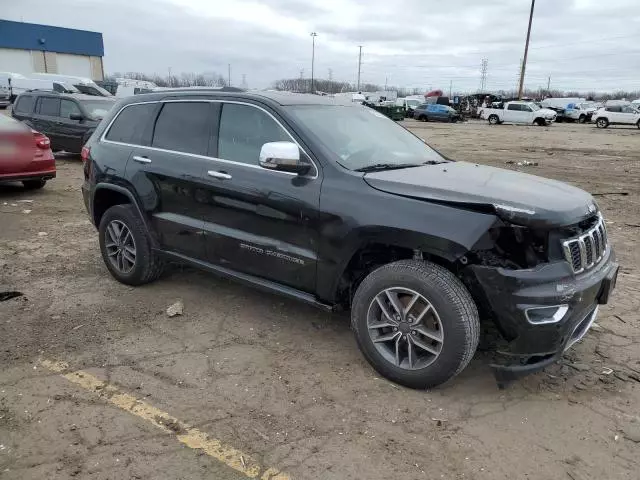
{"x":510,"y":294}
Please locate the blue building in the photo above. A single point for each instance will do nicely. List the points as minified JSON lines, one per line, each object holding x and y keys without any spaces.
{"x":31,"y":48}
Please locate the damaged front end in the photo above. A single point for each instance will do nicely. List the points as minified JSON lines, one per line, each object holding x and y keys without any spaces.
{"x":541,"y":297}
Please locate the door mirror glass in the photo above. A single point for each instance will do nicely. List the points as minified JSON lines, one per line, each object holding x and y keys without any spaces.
{"x":76,"y":116}
{"x":284,"y":157}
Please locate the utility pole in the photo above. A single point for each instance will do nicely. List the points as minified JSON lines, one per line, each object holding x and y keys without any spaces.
{"x":301,"y":73}
{"x":359,"y":66}
{"x":244,"y":81}
{"x":386,"y":80}
{"x":450,"y":88}
{"x":229,"y":76}
{"x":330,"y":75}
{"x":526,"y":50}
{"x":170,"y":82}
{"x":548,"y":84}
{"x":483,"y":74}
{"x":313,"y":56}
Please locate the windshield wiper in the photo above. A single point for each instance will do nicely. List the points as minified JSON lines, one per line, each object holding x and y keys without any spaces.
{"x":434,"y":162}
{"x":386,"y":166}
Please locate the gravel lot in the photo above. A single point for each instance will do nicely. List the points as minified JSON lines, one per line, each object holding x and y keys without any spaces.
{"x":284,"y":384}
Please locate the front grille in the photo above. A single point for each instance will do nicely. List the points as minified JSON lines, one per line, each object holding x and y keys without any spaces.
{"x":586,"y":250}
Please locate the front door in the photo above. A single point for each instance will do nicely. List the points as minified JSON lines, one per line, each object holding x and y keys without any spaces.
{"x":259,"y":221}
{"x":70,"y":132}
{"x":628,"y":116}
{"x":167,"y":172}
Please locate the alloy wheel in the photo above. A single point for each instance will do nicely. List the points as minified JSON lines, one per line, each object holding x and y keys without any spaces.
{"x":120,"y":246}
{"x":405,"y":328}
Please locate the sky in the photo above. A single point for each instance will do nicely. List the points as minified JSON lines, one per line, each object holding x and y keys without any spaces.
{"x":583,"y":45}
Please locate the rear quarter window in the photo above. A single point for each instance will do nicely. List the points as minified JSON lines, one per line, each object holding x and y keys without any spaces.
{"x":25,"y":104}
{"x":129,"y":125}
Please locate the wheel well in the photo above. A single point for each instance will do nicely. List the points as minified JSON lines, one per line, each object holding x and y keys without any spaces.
{"x":371,"y":256}
{"x":104,"y":199}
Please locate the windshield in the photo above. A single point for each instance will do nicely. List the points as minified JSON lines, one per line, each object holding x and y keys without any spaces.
{"x":361,"y":137}
{"x":97,"y":108}
{"x":413,"y":103}
{"x":534,"y":107}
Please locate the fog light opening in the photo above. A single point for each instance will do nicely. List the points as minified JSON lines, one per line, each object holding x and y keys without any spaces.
{"x":544,"y":315}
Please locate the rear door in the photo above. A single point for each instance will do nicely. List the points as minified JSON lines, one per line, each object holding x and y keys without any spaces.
{"x":167,"y":173}
{"x":47,"y":120}
{"x":70,"y":131}
{"x":259,"y":221}
{"x":23,"y":108}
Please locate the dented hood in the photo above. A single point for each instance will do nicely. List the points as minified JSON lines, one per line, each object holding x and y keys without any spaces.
{"x":516,"y":197}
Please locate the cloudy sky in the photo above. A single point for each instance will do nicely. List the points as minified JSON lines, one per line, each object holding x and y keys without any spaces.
{"x":580,"y":44}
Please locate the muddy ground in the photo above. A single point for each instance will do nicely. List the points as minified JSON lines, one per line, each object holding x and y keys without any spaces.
{"x":285,"y":384}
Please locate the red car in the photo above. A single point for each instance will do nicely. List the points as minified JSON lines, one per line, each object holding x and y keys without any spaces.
{"x":25,"y":155}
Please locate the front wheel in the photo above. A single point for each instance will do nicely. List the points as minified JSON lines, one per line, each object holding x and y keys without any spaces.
{"x":125,"y":245}
{"x":415,"y":322}
{"x":582,"y":119}
{"x":638,"y":124}
{"x":493,"y":120}
{"x":602,"y":123}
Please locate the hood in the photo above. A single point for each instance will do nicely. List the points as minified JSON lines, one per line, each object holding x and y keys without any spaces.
{"x":515,"y":197}
{"x":547,"y":112}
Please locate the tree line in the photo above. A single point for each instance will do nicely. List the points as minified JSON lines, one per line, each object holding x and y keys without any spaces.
{"x":182,"y":80}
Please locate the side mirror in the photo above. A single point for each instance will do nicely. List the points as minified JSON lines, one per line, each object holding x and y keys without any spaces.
{"x":76,"y":116}
{"x":284,"y":157}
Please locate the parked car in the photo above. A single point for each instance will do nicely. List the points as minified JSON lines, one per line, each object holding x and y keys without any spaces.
{"x":580,"y":112}
{"x":82,"y":84}
{"x":340,"y":207}
{"x":409,"y":104}
{"x":14,"y":84}
{"x":435,"y":113}
{"x":25,"y":155}
{"x":519,"y":112}
{"x":617,"y":115}
{"x":67,"y":119}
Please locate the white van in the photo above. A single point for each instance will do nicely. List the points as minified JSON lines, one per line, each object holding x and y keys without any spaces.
{"x":14,"y":84}
{"x":84,"y":85}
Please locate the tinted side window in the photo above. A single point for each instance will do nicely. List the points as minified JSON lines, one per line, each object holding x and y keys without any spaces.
{"x":614,"y":109}
{"x":67,"y":108}
{"x":513,"y":106}
{"x":243,"y":131}
{"x":183,"y":127}
{"x":130,"y":124}
{"x":48,"y":106}
{"x":25,"y":104}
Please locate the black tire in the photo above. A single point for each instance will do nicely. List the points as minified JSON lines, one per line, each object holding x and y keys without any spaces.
{"x":582,"y":119}
{"x":148,"y":265}
{"x":602,"y":122}
{"x":449,"y":297}
{"x":638,"y":124}
{"x":423,"y":118}
{"x":34,"y":184}
{"x":540,"y":122}
{"x":493,"y":120}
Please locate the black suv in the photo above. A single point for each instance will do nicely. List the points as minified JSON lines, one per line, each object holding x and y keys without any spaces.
{"x":67,"y":119}
{"x":338,"y":206}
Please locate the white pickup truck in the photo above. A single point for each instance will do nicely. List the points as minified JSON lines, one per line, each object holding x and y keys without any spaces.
{"x":518,"y":112}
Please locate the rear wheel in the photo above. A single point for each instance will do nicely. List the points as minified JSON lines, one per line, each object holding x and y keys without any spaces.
{"x":602,"y":123}
{"x":582,"y":119}
{"x":34,"y":184}
{"x":423,"y":118}
{"x":493,"y":120}
{"x":415,"y":322}
{"x":126,"y":249}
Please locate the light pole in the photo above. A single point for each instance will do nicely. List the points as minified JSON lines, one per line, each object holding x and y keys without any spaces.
{"x":526,"y":50}
{"x":313,"y":56}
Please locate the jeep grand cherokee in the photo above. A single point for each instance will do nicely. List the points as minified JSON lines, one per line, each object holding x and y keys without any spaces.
{"x":340,"y":207}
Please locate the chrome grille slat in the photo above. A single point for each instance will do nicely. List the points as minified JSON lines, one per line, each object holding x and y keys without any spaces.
{"x":586,"y":250}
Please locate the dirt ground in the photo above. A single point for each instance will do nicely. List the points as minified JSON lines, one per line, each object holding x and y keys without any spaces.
{"x":285,"y":384}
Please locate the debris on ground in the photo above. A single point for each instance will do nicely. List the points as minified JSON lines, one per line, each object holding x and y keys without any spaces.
{"x":632,"y":432}
{"x":607,"y":371}
{"x":175,"y":309}
{"x":624,"y":194}
{"x":42,"y":234}
{"x":4,"y":296}
{"x":581,"y":367}
{"x":527,"y":163}
{"x":26,"y":212}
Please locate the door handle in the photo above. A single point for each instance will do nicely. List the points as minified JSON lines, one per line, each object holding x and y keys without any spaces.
{"x":220,"y":175}
{"x":139,"y":159}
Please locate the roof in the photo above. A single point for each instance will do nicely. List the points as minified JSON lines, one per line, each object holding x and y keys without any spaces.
{"x":31,"y":36}
{"x":280,"y":98}
{"x":77,"y":96}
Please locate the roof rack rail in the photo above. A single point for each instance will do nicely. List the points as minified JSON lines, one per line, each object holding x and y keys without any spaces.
{"x":42,"y":90}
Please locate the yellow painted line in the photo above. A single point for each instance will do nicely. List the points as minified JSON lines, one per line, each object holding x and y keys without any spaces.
{"x":184,"y":433}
